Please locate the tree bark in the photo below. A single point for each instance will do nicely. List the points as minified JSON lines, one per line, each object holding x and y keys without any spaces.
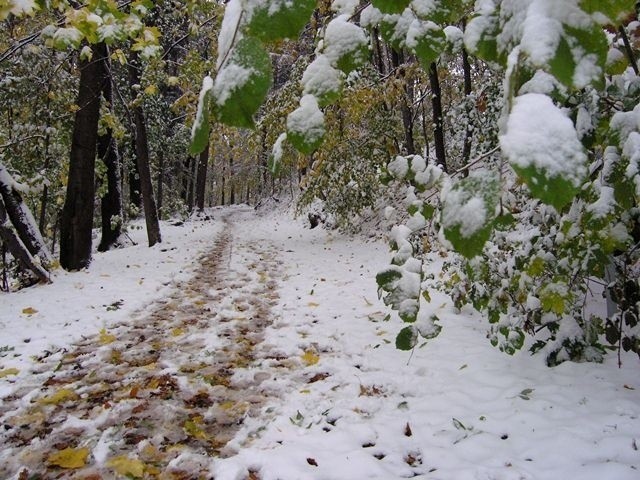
{"x":22,"y":219}
{"x":466,"y":69}
{"x":397,"y":59}
{"x":232,"y":193}
{"x":76,"y":220}
{"x":436,"y":101}
{"x":111,"y":202}
{"x":201,"y":179}
{"x":160,"y":181}
{"x":134,"y":183}
{"x":18,"y":249}
{"x":142,"y":160}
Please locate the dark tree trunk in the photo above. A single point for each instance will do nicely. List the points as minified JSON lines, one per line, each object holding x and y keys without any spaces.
{"x":111,"y":202}
{"x":18,"y":249}
{"x":142,"y":160}
{"x":186,"y":181}
{"x":160,"y":181}
{"x":135,"y":198}
{"x":466,"y":148}
{"x":76,"y":220}
{"x":397,"y":59}
{"x":193,"y":170}
{"x":222,"y":187}
{"x":232,"y":193}
{"x":436,"y":100}
{"x":201,"y":179}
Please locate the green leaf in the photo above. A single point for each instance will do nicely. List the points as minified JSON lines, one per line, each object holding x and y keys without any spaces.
{"x":407,"y":338}
{"x":278,"y":19}
{"x":305,"y":126}
{"x":346,"y":44}
{"x":429,"y":44}
{"x":486,"y":46}
{"x":242,"y":84}
{"x":615,"y":10}
{"x":468,"y":212}
{"x":552,"y":190}
{"x":391,"y":6}
{"x":393,"y":33}
{"x":201,"y":128}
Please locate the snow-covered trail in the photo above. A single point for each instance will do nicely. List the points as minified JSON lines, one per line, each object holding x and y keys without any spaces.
{"x":284,"y":343}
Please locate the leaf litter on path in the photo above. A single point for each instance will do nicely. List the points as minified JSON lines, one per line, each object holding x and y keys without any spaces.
{"x":164,"y":383}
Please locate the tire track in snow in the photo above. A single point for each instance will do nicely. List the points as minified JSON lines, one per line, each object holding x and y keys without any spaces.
{"x":167,"y":391}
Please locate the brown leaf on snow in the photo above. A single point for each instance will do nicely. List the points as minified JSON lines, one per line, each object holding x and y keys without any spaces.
{"x":318,"y":377}
{"x":407,"y":430}
{"x":312,"y":461}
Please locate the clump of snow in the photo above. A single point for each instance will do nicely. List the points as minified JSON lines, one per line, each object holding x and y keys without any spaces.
{"x":278,"y":147}
{"x":232,"y":77}
{"x":229,"y":30}
{"x":538,"y":134}
{"x":541,"y":82}
{"x":398,"y":167}
{"x":455,"y":36}
{"x":417,"y":30}
{"x":342,"y":38}
{"x":345,"y":7}
{"x":207,"y":85}
{"x":307,"y":120}
{"x":321,"y":77}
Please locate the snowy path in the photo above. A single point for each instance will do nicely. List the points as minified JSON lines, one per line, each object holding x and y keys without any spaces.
{"x":276,"y":342}
{"x":157,"y":386}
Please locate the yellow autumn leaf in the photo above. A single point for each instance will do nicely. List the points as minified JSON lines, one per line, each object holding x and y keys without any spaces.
{"x":69,"y":458}
{"x":176,"y":332}
{"x":29,"y":311}
{"x":192,"y":428}
{"x":106,"y":338}
{"x":60,"y":396}
{"x":151,"y":90}
{"x":310,"y":358}
{"x":313,"y":304}
{"x":126,"y":466}
{"x":9,"y":371}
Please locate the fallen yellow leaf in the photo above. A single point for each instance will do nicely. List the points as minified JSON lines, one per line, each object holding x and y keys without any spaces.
{"x":106,"y":338}
{"x":310,"y":358}
{"x":69,"y":458}
{"x":127,"y":466}
{"x":313,"y":304}
{"x":193,"y":430}
{"x":9,"y":371}
{"x":60,"y":396}
{"x":176,"y":332}
{"x":29,"y":311}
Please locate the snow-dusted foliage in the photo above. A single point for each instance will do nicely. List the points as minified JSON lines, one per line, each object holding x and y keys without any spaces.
{"x":553,"y":203}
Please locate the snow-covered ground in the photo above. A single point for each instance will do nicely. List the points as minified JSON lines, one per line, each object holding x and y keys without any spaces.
{"x":351,"y":406}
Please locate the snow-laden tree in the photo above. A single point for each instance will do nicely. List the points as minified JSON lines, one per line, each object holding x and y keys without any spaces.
{"x":545,"y":212}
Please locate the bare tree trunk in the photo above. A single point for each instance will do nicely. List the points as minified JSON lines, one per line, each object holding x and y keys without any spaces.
{"x":436,"y":100}
{"x":142,"y":160}
{"x":397,"y":59}
{"x":193,"y":170}
{"x":18,"y":249}
{"x":232,"y":193}
{"x":160,"y":181}
{"x":201,"y":179}
{"x":76,"y":220}
{"x":135,"y":198}
{"x":111,"y":202}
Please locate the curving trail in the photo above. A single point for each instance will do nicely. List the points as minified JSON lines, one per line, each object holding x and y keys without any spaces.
{"x":158,"y":396}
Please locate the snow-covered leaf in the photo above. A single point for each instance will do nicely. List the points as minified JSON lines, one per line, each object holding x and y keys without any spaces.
{"x":407,"y":338}
{"x":615,"y":11}
{"x":277,"y":19}
{"x":427,"y":40}
{"x":8,"y":371}
{"x":305,"y":126}
{"x":468,"y":212}
{"x":542,"y":145}
{"x":346,"y":44}
{"x":242,"y":84}
{"x":323,"y":81}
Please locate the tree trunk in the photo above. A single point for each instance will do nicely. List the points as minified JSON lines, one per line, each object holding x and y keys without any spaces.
{"x":201,"y":179}
{"x":18,"y":249}
{"x":22,"y":219}
{"x":466,"y":148}
{"x":232,"y":193}
{"x":193,"y":170}
{"x":76,"y":220}
{"x":160,"y":181}
{"x":111,"y":202}
{"x":397,"y":59}
{"x":222,"y":187}
{"x":142,"y":160}
{"x":436,"y":100}
{"x":134,"y":183}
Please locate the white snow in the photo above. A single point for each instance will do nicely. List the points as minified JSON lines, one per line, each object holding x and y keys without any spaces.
{"x":307,"y":120}
{"x":229,"y":31}
{"x":451,"y":410}
{"x":207,"y":85}
{"x":342,"y":37}
{"x":538,"y":134}
{"x":232,"y":77}
{"x":321,"y":77}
